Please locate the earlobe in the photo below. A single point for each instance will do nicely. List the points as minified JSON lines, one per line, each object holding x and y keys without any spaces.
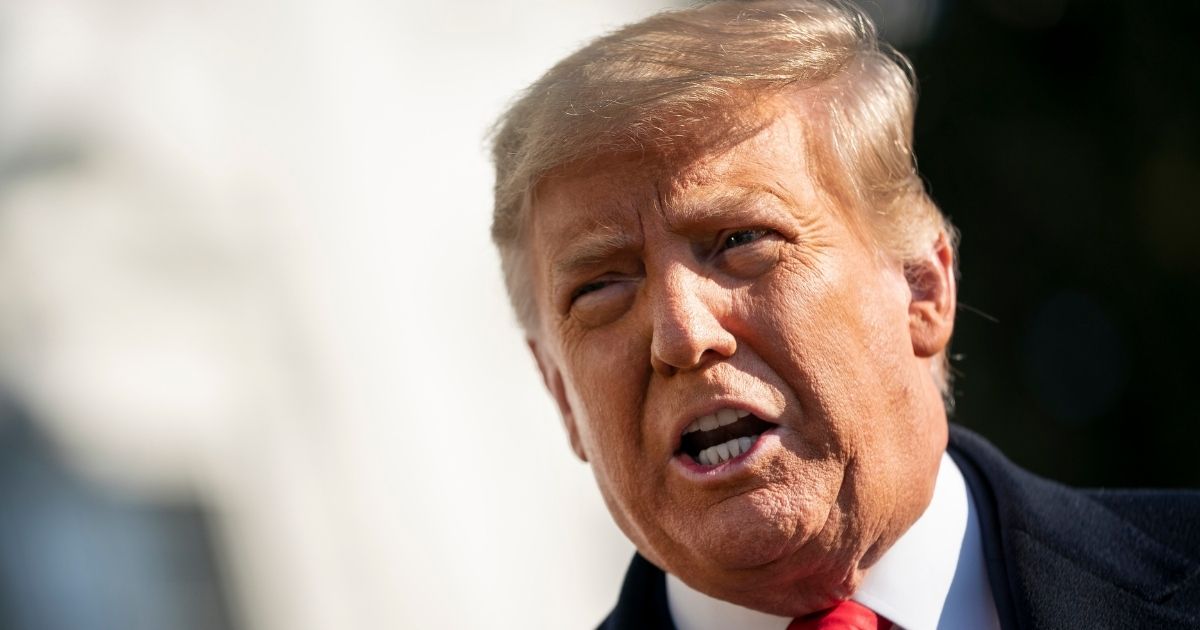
{"x":933,"y":287}
{"x":553,"y":380}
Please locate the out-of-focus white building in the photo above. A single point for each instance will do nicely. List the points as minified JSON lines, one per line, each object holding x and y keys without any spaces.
{"x":244,"y":258}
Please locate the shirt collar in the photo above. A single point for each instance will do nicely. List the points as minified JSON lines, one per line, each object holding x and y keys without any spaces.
{"x":932,"y":577}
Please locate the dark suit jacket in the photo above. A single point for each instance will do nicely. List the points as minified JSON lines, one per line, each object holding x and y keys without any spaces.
{"x":1056,"y":557}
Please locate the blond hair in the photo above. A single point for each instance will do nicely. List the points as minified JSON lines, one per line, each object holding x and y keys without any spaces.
{"x":685,"y":80}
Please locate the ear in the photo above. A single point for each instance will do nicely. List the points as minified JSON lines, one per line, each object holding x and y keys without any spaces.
{"x":552,"y":377}
{"x":932,"y":285}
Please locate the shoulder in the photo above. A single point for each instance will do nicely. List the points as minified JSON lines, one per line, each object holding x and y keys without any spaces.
{"x":1172,"y":516}
{"x":1063,"y":557}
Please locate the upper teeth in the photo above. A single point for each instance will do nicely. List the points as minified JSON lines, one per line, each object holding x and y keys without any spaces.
{"x":718,"y":419}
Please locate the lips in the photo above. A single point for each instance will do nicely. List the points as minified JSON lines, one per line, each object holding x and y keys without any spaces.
{"x":716,"y":438}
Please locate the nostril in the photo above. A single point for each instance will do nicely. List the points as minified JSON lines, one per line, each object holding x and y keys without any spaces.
{"x":662,"y":368}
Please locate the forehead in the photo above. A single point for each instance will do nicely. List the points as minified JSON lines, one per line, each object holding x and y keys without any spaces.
{"x":605,"y":197}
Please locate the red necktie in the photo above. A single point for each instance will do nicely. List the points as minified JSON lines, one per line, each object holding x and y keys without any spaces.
{"x":848,"y":615}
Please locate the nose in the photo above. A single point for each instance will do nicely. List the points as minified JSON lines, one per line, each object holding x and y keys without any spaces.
{"x":688,"y":332}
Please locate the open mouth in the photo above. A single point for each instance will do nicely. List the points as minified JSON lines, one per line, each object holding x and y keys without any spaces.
{"x":719,"y":437}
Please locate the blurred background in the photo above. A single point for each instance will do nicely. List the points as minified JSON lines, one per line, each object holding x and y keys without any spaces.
{"x":257,"y":369}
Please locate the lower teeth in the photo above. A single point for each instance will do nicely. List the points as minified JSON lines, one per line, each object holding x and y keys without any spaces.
{"x":722,"y":453}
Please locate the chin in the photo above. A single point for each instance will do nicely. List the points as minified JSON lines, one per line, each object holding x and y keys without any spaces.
{"x":784,"y":593}
{"x":738,"y":534}
{"x":745,"y":545}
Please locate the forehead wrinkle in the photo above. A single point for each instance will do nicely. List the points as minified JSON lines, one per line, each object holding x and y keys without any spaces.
{"x":725,"y":199}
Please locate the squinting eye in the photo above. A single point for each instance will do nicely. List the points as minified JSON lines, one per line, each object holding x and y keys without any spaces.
{"x":588,"y":288}
{"x":741,"y":237}
{"x":601,"y":301}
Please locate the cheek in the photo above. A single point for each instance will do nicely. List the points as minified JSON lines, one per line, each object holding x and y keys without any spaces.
{"x":797,"y":312}
{"x":610,"y":373}
{"x":608,"y":377}
{"x":832,"y":332}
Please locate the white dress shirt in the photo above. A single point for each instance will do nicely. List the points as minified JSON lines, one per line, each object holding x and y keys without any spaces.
{"x":933,"y":578}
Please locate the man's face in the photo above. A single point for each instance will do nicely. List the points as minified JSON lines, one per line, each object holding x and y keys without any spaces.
{"x":733,"y":291}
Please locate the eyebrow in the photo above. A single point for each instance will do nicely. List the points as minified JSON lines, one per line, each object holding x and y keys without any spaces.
{"x":594,"y":248}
